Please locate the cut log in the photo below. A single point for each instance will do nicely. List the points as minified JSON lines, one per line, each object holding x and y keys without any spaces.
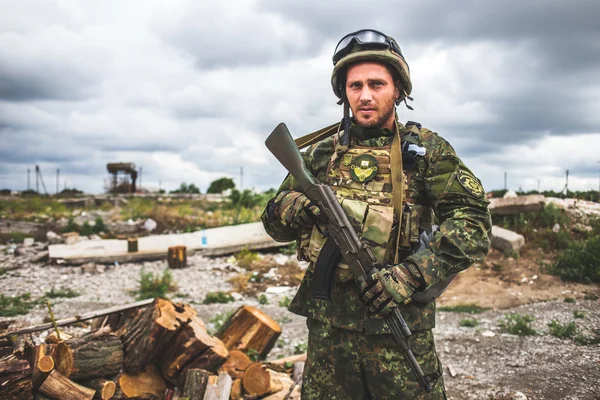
{"x":221,"y":390}
{"x":147,"y":384}
{"x":41,"y":363}
{"x":150,"y":332}
{"x":15,"y":378}
{"x":177,"y":257}
{"x":236,"y":364}
{"x":63,"y":358}
{"x":59,"y":387}
{"x":192,"y":348}
{"x":53,"y":338}
{"x":250,"y":329}
{"x":194,"y":384}
{"x":105,"y":389}
{"x":261,"y":381}
{"x":237,"y":391}
{"x":96,"y":356}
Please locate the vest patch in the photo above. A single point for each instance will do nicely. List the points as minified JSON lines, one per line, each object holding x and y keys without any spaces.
{"x":347,"y":160}
{"x":363,"y":168}
{"x":470,"y":183}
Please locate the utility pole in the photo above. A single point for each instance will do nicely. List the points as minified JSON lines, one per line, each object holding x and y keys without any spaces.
{"x":140,"y":184}
{"x":28,"y":173}
{"x":505,"y":186}
{"x":241,"y":179}
{"x":567,"y":185}
{"x":57,"y":179}
{"x":538,"y":186}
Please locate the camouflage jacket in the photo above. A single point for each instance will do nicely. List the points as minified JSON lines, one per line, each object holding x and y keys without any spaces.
{"x":441,"y":181}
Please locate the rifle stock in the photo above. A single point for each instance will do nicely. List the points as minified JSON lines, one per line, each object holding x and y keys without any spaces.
{"x":357,"y":255}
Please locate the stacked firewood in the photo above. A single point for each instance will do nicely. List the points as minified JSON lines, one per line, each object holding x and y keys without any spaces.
{"x":161,"y":351}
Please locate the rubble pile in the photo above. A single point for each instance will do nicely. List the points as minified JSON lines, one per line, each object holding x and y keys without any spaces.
{"x":159,"y":351}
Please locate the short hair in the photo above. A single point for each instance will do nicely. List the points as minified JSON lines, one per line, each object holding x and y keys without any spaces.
{"x":393,"y":72}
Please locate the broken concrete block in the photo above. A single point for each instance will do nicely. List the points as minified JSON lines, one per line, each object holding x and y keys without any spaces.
{"x":54,"y":238}
{"x":503,"y":239}
{"x":517,"y":205}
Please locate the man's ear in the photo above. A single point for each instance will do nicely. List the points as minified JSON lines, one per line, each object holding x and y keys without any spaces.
{"x":398,"y":92}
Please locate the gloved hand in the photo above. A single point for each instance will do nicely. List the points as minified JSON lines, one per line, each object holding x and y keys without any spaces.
{"x":390,"y":287}
{"x":297,"y":211}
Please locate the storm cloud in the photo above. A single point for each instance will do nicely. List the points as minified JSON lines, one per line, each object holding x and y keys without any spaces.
{"x":189,"y":90}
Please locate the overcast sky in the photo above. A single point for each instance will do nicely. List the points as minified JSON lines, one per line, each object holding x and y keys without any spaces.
{"x":189,"y":90}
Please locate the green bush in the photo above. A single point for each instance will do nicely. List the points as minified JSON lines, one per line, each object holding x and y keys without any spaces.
{"x":285,"y":302}
{"x":155,"y":286}
{"x":569,"y":300}
{"x":579,"y":313}
{"x":300,"y":348}
{"x":86,"y":229}
{"x":245,"y":258}
{"x":217,"y":298}
{"x":518,"y":324}
{"x":99,"y":225}
{"x":562,"y":331}
{"x":580,"y":262}
{"x":590,"y":296}
{"x":218,"y":320}
{"x":464,"y":308}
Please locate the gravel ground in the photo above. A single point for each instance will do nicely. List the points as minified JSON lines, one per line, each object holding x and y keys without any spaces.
{"x":480,"y":363}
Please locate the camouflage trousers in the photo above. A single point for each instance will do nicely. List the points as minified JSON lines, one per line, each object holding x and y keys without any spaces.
{"x":345,"y":364}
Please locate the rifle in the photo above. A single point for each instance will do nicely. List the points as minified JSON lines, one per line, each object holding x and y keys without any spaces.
{"x":355,"y":253}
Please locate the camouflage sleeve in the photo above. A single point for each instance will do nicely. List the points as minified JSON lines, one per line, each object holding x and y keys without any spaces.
{"x":316,"y":159}
{"x":461,"y":208}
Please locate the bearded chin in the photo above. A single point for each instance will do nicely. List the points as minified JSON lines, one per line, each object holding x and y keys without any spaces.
{"x":378,"y":123}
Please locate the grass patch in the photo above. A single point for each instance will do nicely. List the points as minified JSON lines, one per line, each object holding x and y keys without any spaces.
{"x":580,"y":262}
{"x":217,"y":298}
{"x":582,"y":340}
{"x":562,"y":331}
{"x":62,"y":292}
{"x":245,"y":258}
{"x":570,"y":300}
{"x":510,"y":253}
{"x":152,"y":286}
{"x":262,"y":299}
{"x":240,"y":282}
{"x":518,"y":324}
{"x":590,"y":296}
{"x":11,"y":306}
{"x":468,"y":322}
{"x":579,"y":313}
{"x":285,"y":302}
{"x":289,"y":250}
{"x":253,"y":355}
{"x":471,"y":308}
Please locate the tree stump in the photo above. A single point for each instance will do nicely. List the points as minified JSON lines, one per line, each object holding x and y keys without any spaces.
{"x":59,"y":387}
{"x":145,"y":337}
{"x":96,"y":357}
{"x":261,"y":381}
{"x":177,"y":257}
{"x":15,"y":378}
{"x":147,"y":384}
{"x":194,"y":348}
{"x":249,"y":328}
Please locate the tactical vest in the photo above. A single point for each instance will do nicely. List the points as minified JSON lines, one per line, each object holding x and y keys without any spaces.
{"x":362,"y":181}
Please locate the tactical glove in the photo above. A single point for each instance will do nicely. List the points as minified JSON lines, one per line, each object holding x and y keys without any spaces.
{"x":390,"y":287}
{"x":296,"y":210}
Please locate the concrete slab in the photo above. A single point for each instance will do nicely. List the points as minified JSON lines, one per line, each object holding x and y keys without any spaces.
{"x":517,"y":205}
{"x":211,"y":242}
{"x":504,"y":239}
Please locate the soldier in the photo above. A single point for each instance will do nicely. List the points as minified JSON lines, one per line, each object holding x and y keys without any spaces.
{"x":423,"y":230}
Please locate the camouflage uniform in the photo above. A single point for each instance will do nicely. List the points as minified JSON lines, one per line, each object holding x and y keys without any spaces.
{"x":352,"y":355}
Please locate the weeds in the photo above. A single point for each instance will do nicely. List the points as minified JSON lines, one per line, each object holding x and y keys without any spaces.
{"x":155,"y":286}
{"x":464,"y":308}
{"x":468,"y":322}
{"x":253,"y":355}
{"x":245,"y":258}
{"x":285,"y":302}
{"x":217,"y":298}
{"x":562,"y":331}
{"x":62,"y":292}
{"x":240,"y":282}
{"x":570,"y":300}
{"x":11,"y":306}
{"x":580,"y":262}
{"x":262,"y":299}
{"x":518,"y":324}
{"x":590,"y":296}
{"x":579,"y":313}
{"x":300,"y":348}
{"x":218,"y":321}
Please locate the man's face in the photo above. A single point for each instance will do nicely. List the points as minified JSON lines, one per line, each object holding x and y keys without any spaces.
{"x":371,"y":94}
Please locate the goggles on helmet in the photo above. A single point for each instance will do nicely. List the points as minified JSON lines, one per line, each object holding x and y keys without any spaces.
{"x":368,"y":38}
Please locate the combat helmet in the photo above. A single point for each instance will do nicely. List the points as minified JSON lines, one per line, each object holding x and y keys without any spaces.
{"x":368,"y":45}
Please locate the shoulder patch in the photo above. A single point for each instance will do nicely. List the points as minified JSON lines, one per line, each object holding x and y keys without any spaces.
{"x":470,"y":183}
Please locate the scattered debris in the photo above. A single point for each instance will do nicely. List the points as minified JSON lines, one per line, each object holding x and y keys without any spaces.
{"x":504,"y":239}
{"x":517,"y":205}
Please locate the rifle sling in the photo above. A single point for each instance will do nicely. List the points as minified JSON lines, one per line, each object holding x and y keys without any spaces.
{"x":316,"y":136}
